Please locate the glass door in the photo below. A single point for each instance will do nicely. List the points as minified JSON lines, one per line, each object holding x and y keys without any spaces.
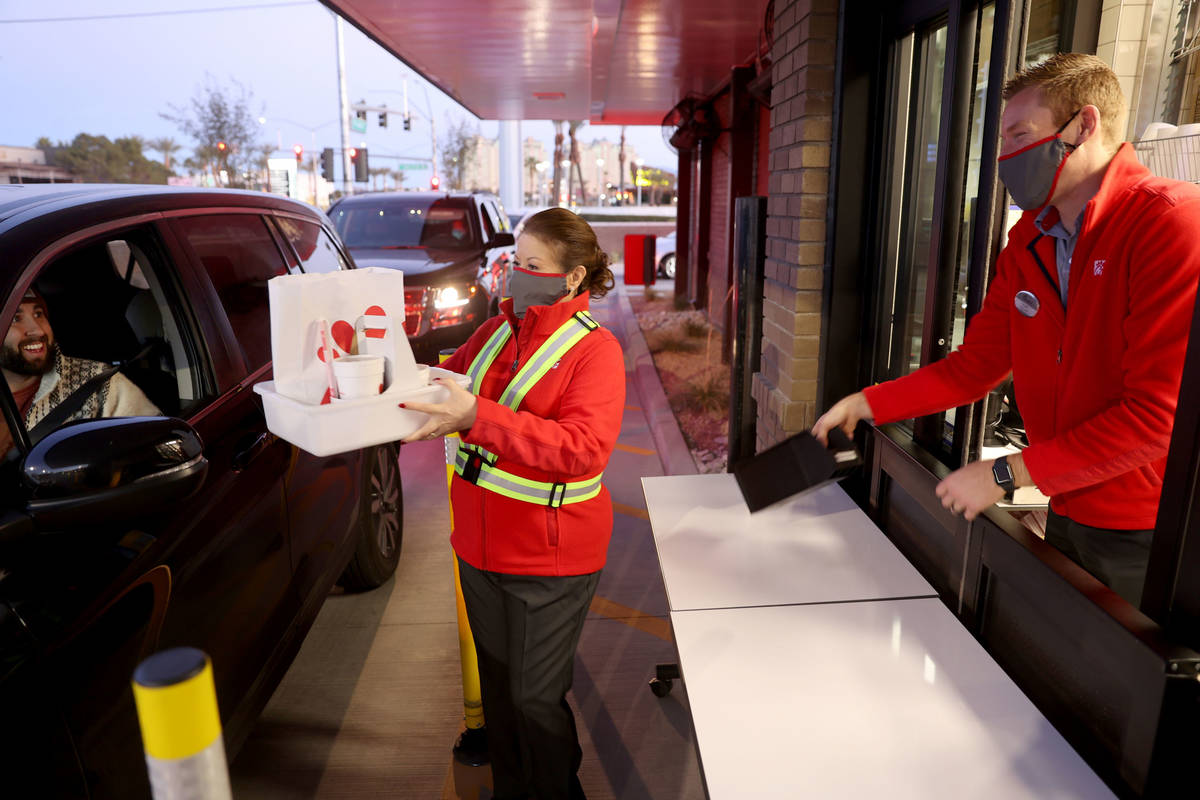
{"x":939,"y":158}
{"x":919,"y":64}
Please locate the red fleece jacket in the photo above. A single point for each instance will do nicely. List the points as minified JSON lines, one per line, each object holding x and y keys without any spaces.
{"x":564,"y":430}
{"x":1097,"y":383}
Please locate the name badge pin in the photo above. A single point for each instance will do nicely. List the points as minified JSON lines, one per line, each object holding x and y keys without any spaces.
{"x":1027,"y":303}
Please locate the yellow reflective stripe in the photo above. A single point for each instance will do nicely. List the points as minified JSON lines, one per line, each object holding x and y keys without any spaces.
{"x":488,"y":456}
{"x":525,"y":498}
{"x":545,"y":357}
{"x":487,"y":354}
{"x":581,"y":498}
{"x":544,"y":366}
{"x":542,"y":488}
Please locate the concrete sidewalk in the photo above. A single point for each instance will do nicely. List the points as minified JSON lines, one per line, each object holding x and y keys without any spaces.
{"x":373,"y":702}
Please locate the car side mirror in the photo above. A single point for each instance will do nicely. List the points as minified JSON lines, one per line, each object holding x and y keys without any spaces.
{"x":98,"y":470}
{"x":503,"y":239}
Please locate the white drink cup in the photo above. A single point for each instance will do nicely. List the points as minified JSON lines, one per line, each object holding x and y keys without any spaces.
{"x":358,"y":376}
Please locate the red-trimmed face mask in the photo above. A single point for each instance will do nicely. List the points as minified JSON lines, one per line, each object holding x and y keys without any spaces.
{"x":1031,"y":173}
{"x":530,"y":288}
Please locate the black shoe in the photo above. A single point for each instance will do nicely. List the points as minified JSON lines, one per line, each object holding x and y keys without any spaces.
{"x":471,"y":748}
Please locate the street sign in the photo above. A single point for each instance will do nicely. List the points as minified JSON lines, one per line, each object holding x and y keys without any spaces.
{"x":358,"y":125}
{"x":412,"y":166}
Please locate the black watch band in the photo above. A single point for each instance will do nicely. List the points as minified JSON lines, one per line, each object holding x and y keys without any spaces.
{"x":1003,"y":474}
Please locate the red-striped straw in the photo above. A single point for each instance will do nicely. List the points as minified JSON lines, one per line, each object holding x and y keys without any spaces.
{"x":327,"y":348}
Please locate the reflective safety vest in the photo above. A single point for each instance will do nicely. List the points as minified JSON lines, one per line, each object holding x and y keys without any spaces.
{"x":476,"y":465}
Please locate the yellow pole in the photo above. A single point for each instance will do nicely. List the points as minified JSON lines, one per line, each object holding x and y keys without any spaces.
{"x":471,"y":747}
{"x":181,"y":728}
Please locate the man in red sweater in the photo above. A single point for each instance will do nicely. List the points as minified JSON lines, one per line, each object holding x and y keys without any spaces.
{"x":1089,"y":310}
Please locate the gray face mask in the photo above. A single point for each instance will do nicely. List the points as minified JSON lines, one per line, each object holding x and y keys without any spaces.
{"x":535,"y":289}
{"x":1031,"y":173}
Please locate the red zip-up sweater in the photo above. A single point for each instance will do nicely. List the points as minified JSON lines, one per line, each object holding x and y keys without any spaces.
{"x":564,"y":430}
{"x":1096,"y":383}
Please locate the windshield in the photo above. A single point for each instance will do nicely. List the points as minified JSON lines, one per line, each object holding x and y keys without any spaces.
{"x":405,"y":223}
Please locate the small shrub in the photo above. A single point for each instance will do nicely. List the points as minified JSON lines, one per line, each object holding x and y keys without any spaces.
{"x":695,"y":328}
{"x":711,"y":394}
{"x":649,"y":294}
{"x":673,"y":343}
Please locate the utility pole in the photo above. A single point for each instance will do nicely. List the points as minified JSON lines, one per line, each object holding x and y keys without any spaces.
{"x":621,"y":170}
{"x":433,"y":133}
{"x":344,"y":106}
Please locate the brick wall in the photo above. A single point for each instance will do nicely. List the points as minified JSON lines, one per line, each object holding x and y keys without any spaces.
{"x":802,"y":99}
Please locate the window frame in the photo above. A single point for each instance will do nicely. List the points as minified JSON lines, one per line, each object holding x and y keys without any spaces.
{"x":172,"y":276}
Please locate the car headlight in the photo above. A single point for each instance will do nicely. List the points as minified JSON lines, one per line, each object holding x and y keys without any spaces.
{"x":445,"y":297}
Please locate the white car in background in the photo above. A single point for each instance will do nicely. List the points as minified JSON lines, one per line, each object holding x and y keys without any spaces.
{"x":664,"y":255}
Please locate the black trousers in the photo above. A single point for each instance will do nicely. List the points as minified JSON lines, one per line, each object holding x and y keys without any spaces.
{"x":526,"y":629}
{"x":1118,"y":558}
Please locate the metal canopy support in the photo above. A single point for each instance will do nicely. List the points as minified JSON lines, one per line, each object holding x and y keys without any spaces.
{"x":1172,"y":591}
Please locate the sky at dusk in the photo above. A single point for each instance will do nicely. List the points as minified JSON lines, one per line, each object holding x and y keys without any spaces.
{"x":113,"y":76}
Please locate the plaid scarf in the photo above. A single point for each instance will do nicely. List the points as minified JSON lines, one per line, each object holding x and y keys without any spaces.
{"x":68,"y":375}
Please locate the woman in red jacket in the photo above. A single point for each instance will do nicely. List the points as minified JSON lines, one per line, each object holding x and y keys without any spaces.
{"x":532,"y":519}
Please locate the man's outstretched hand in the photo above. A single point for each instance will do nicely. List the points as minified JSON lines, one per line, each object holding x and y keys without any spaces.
{"x":844,"y":414}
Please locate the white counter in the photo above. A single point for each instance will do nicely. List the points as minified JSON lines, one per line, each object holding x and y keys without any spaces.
{"x":816,"y":548}
{"x":885,"y":699}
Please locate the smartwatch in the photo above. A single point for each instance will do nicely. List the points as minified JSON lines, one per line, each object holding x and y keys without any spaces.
{"x":1003,"y":475}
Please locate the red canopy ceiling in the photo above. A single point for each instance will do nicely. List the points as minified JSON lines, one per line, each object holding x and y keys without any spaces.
{"x":623,"y":62}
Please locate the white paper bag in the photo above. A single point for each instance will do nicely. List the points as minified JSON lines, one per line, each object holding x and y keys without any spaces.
{"x":365,"y":310}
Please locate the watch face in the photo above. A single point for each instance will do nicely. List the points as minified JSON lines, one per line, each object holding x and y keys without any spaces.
{"x":1002,"y":473}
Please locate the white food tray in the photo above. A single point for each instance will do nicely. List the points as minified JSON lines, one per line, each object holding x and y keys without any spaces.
{"x":345,"y":425}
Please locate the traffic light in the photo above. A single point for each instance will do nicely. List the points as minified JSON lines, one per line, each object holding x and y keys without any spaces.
{"x":434,"y":183}
{"x":383,"y":119}
{"x":361,"y":114}
{"x":327,"y":163}
{"x":408,"y":122}
{"x":222,"y":148}
{"x":299,"y":151}
{"x":360,"y":166}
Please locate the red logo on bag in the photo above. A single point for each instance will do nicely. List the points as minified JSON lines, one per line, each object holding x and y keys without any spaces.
{"x":343,"y":339}
{"x":342,"y":333}
{"x":375,"y":333}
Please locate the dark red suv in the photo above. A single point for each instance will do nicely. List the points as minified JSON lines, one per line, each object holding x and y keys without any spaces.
{"x":123,"y":536}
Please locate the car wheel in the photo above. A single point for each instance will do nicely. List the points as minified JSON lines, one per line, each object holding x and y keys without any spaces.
{"x":666,"y":267}
{"x":380,"y":529}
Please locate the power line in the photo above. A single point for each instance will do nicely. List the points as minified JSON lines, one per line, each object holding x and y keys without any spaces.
{"x":155,"y":13}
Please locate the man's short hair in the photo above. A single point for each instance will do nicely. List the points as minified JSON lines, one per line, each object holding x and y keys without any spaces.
{"x":1070,"y":81}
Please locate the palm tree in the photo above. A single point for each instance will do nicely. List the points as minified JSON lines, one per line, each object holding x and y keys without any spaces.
{"x":531,"y":165}
{"x":575,"y":169}
{"x":621,"y":169}
{"x":558,"y":157}
{"x":165,"y":145}
{"x":375,"y":172}
{"x":397,"y":178}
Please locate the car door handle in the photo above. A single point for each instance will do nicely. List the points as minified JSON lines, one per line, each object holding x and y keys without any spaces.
{"x":243,"y":459}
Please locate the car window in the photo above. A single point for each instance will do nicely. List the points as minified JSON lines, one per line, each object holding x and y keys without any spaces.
{"x":489,"y":223}
{"x":101,"y":332}
{"x":502,"y":221}
{"x":240,"y":256}
{"x":315,"y":248}
{"x":400,"y":223}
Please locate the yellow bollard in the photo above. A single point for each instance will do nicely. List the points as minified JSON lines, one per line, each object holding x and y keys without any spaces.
{"x":471,"y":747}
{"x":181,"y":728}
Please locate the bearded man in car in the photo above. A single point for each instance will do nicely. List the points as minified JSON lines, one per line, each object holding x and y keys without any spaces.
{"x":41,"y":377}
